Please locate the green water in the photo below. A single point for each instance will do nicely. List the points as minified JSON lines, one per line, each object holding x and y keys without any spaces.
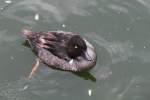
{"x":118,"y":29}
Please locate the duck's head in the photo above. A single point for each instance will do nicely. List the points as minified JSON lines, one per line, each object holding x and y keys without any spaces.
{"x":76,"y":46}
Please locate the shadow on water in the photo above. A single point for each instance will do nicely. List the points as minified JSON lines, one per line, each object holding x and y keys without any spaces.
{"x":26,"y":44}
{"x":86,"y":75}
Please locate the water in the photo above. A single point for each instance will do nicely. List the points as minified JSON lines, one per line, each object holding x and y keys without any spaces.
{"x":119,"y":30}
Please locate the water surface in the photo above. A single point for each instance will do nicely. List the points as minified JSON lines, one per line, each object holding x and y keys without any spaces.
{"x":118,"y":29}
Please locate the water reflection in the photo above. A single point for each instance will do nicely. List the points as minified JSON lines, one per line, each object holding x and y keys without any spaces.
{"x":48,"y":10}
{"x":119,"y":29}
{"x":86,"y":75}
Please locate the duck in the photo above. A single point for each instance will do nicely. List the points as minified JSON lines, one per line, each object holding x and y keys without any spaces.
{"x":62,"y":50}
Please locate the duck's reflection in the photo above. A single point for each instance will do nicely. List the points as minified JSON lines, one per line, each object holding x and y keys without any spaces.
{"x":26,"y":44}
{"x":85,"y":75}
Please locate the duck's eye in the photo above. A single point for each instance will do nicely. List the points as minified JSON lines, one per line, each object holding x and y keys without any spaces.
{"x":75,"y":46}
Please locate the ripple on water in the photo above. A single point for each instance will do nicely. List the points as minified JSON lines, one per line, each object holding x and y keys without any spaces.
{"x":48,"y":10}
{"x":117,"y":51}
{"x":27,"y":89}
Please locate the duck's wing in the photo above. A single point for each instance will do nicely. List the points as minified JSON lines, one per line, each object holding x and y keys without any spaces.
{"x":55,"y":43}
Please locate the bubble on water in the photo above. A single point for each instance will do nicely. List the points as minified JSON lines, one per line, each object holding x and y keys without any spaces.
{"x":36,"y":17}
{"x":63,"y":25}
{"x":90,"y":92}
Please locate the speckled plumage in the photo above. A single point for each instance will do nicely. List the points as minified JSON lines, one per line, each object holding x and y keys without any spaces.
{"x":58,"y":48}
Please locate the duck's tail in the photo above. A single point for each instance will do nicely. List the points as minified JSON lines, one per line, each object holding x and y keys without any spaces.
{"x":26,"y":32}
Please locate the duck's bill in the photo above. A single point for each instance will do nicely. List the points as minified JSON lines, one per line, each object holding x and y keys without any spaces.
{"x":87,"y":56}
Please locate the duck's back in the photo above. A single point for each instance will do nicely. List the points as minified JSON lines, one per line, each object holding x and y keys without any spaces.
{"x":56,"y":43}
{"x":50,"y":47}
